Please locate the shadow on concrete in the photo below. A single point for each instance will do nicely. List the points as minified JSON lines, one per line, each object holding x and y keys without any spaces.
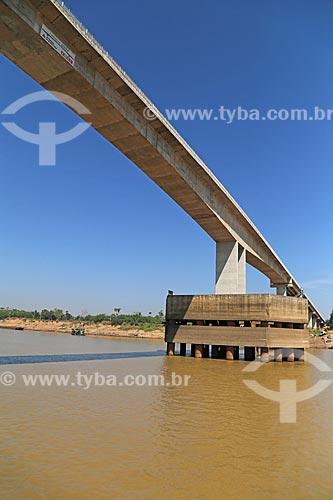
{"x":63,"y":358}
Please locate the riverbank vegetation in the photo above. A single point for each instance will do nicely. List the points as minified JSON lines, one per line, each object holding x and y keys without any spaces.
{"x":125,"y":321}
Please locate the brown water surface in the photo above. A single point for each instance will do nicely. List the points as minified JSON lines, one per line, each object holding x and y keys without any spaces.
{"x":214,"y":439}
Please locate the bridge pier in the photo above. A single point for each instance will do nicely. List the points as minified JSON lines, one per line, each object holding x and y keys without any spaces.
{"x":314,"y":321}
{"x":281,"y":288}
{"x":299,"y":354}
{"x":230,"y":352}
{"x":278,"y":355}
{"x":198,"y":351}
{"x":289,"y":355}
{"x":268,"y":321}
{"x":265,"y":353}
{"x":170,"y":348}
{"x":230,"y":268}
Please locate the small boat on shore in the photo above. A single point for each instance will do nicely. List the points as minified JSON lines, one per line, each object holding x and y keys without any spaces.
{"x":19,"y":328}
{"x":78,"y":331}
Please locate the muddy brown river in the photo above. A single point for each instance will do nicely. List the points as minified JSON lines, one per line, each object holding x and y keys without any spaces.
{"x":105,"y":431}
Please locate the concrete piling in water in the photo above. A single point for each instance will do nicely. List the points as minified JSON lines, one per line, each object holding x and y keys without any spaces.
{"x":299,"y":354}
{"x":289,"y":355}
{"x":278,"y":355}
{"x":171,"y":348}
{"x":230,"y":352}
{"x":198,"y":353}
{"x":265,"y":353}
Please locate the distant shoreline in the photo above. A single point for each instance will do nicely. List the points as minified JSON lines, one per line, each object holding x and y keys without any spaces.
{"x":65,"y":327}
{"x":106,"y":330}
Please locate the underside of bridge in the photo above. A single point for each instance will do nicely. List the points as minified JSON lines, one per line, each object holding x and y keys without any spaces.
{"x":48,"y":43}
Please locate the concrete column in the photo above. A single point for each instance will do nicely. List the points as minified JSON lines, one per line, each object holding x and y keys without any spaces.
{"x":289,"y":355}
{"x":281,"y":290}
{"x":230,"y":268}
{"x":170,"y":348}
{"x":265,"y":353}
{"x":310,"y":319}
{"x":249,"y":353}
{"x":230,"y":352}
{"x":278,"y":355}
{"x":183,"y":349}
{"x":198,"y":351}
{"x":299,"y":354}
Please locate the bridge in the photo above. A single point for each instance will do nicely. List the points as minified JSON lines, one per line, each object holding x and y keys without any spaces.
{"x":45,"y":40}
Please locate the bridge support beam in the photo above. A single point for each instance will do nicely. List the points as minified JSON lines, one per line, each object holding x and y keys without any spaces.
{"x":230,"y":268}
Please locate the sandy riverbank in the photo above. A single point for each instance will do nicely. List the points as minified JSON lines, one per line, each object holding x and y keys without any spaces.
{"x":65,"y":327}
{"x":320,"y":342}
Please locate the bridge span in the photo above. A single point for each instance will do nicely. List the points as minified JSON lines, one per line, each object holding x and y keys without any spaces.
{"x":45,"y":40}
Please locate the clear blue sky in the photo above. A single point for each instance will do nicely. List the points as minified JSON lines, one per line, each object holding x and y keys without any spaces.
{"x":93,"y":233}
